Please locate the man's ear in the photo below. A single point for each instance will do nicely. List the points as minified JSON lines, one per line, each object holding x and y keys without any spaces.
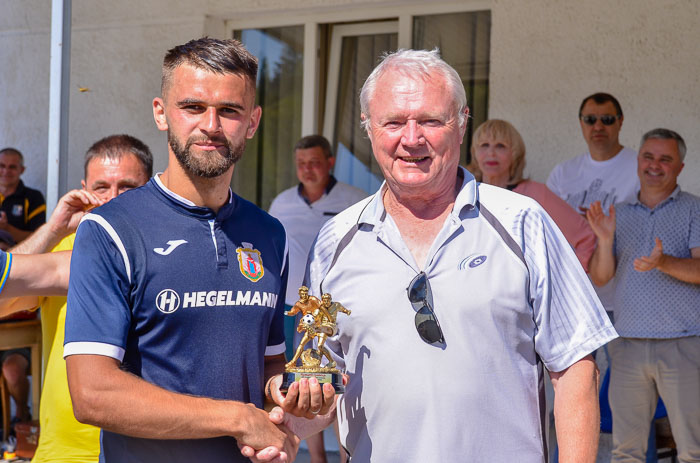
{"x":159,"y":114}
{"x":463,"y":128}
{"x":331,"y":163}
{"x":364,"y":118}
{"x":255,"y":116}
{"x":82,"y":182}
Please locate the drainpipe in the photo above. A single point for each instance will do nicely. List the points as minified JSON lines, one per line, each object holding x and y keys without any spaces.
{"x":57,"y":168}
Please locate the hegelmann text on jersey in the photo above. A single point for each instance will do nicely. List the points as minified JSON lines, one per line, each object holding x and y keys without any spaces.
{"x":168,"y":300}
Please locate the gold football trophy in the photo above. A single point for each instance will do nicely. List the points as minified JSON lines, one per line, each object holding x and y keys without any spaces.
{"x":317,"y":322}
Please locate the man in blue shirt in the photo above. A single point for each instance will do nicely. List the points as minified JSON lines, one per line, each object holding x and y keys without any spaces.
{"x":652,"y":247}
{"x":177,"y":288}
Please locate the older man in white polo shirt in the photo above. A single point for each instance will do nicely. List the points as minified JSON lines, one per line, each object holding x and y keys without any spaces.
{"x":460,"y":293}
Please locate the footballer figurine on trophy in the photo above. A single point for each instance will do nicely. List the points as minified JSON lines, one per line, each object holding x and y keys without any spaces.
{"x":317,"y":322}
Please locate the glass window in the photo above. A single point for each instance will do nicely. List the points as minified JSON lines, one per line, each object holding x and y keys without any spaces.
{"x":267,"y":166}
{"x":464,"y":42}
{"x":355,"y":163}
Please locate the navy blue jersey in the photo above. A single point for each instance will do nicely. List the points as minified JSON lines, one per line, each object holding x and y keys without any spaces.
{"x":187,"y":299}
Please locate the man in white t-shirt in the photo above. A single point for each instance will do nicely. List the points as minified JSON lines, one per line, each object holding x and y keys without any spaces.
{"x":606,"y":173}
{"x":303,"y":209}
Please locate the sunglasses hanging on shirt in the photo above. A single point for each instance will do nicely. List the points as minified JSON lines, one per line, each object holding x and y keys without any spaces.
{"x":421,"y":296}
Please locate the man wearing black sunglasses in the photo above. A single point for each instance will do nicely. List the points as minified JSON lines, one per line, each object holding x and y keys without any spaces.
{"x":460,"y":293}
{"x":606,"y":173}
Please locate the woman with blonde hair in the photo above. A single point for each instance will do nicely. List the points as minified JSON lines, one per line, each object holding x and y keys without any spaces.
{"x":498,"y":158}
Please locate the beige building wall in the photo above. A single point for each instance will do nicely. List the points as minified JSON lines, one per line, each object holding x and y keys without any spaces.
{"x":546,"y":55}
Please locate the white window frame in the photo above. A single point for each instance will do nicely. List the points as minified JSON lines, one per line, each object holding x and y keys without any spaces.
{"x":337,"y":35}
{"x":312,"y":19}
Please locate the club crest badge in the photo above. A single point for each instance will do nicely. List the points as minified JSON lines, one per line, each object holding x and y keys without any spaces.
{"x":17,"y":210}
{"x":250,"y":262}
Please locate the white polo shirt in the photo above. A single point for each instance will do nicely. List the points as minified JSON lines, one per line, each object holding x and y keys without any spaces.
{"x":302,"y":221}
{"x":504,"y":299}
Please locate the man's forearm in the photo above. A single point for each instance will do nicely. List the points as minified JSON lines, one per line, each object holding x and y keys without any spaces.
{"x":576,"y":411}
{"x":110,"y":398}
{"x":42,"y":240}
{"x":37,"y":275}
{"x":687,"y":270}
{"x":601,"y":267}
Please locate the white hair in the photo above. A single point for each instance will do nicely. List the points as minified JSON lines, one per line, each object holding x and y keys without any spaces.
{"x":412,"y":63}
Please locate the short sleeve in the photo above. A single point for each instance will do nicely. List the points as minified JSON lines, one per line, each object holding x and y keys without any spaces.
{"x":571,"y":322}
{"x":5,"y":267}
{"x":98,"y":316}
{"x":694,"y":239}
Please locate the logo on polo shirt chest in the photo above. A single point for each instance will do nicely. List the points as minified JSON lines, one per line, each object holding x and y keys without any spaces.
{"x":250,"y":262}
{"x":17,"y":210}
{"x":472,"y":261}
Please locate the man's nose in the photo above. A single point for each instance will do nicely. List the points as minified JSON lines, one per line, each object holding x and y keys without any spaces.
{"x":112,"y":193}
{"x":210,"y":121}
{"x":412,"y":134}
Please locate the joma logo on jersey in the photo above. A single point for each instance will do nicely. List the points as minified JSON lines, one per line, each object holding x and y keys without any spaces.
{"x":168,"y":301}
{"x":250,"y":262}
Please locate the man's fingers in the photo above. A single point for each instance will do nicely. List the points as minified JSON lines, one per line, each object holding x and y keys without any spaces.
{"x":328,"y":398}
{"x":266,"y":455}
{"x":315,"y":396}
{"x":247,"y":451}
{"x":275,"y":393}
{"x":277,"y":415}
{"x":304,"y":400}
{"x":289,"y":401}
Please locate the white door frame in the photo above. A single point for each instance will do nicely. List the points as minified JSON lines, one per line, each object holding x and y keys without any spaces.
{"x":337,"y":34}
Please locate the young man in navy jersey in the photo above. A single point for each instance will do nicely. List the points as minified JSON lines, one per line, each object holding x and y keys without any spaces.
{"x":176,"y":296}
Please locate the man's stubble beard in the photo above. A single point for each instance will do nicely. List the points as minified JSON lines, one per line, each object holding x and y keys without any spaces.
{"x":209,"y":165}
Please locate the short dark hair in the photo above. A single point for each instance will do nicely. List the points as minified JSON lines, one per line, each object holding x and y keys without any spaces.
{"x":600,"y":98}
{"x":219,"y":56}
{"x":14,"y":151}
{"x":312,"y":141}
{"x":666,"y":134}
{"x":116,"y":146}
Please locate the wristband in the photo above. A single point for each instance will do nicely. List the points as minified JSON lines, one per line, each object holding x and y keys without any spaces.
{"x":5,"y":265}
{"x":268,"y":389}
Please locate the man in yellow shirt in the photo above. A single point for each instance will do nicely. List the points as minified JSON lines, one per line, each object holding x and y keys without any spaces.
{"x":113,"y":165}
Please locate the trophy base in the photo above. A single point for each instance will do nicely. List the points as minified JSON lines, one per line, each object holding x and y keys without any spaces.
{"x":334,"y":379}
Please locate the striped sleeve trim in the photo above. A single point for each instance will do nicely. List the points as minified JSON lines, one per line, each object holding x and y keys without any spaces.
{"x":275,"y":350}
{"x":286,"y":252}
{"x":6,"y":266}
{"x":115,"y":237}
{"x":93,"y":348}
